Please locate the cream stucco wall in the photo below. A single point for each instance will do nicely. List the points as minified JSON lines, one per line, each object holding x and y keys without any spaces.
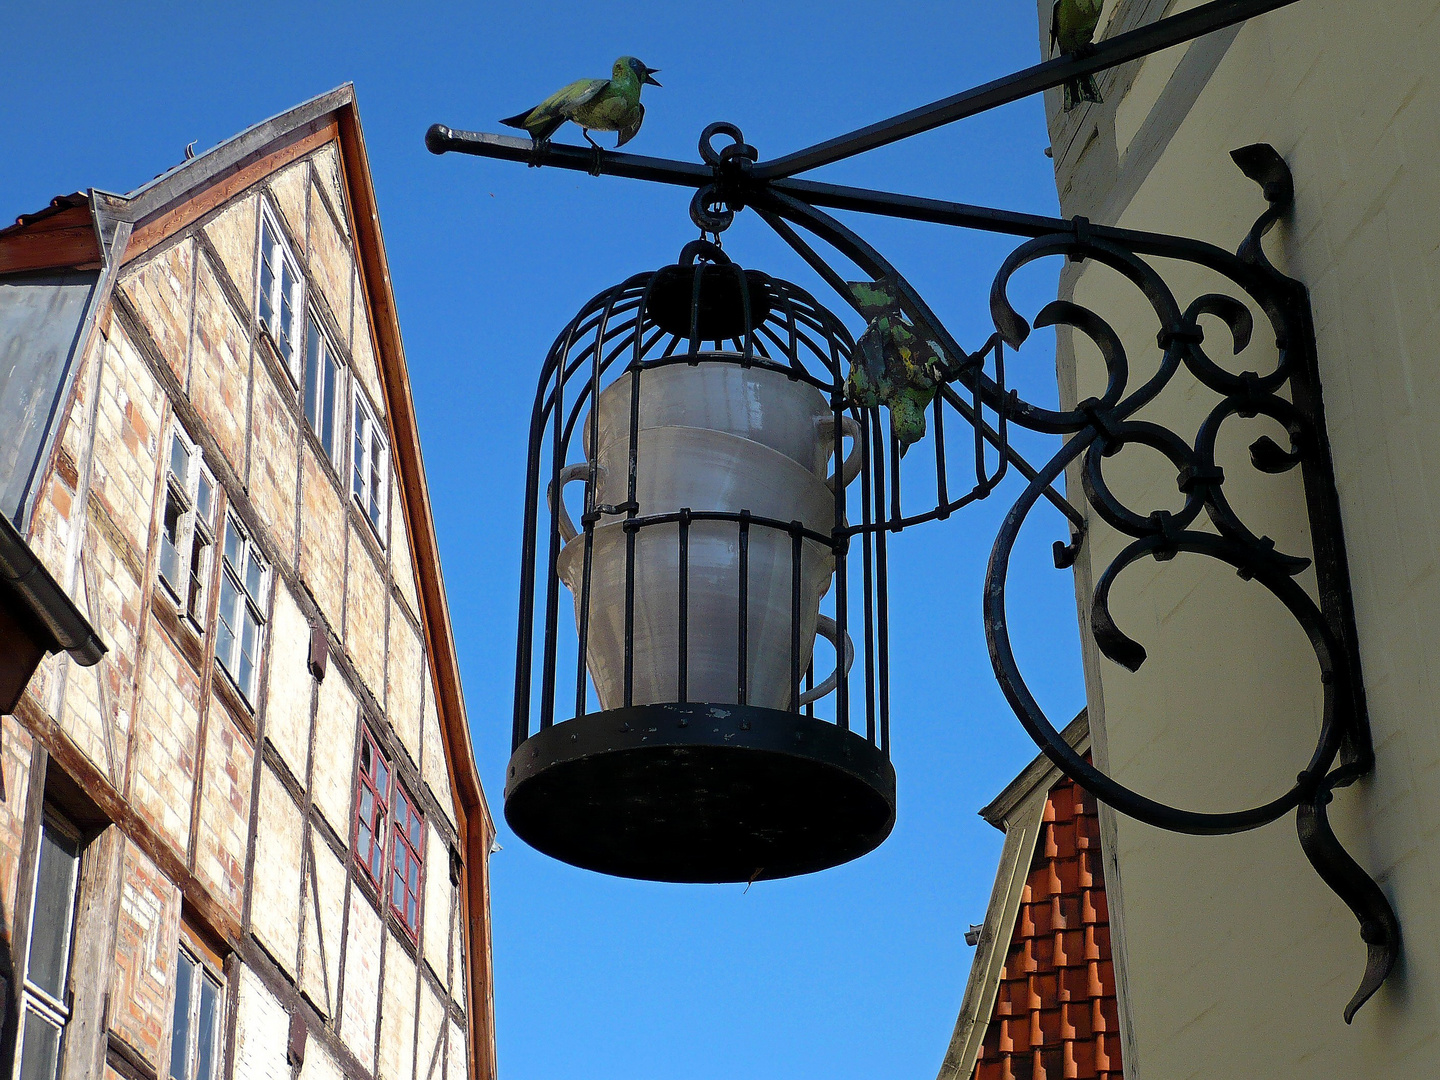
{"x":1235,"y":960}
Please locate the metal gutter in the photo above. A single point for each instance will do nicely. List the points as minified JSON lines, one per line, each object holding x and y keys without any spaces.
{"x":23,"y":578}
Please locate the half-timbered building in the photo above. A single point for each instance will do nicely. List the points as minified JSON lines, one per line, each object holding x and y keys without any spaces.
{"x":250,"y":841}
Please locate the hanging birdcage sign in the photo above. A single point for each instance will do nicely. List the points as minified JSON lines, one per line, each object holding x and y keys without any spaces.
{"x":717,"y":709}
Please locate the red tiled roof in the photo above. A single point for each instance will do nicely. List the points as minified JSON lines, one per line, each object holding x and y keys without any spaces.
{"x":1056,"y":1016}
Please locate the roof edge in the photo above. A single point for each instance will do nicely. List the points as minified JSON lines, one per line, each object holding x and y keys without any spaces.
{"x":1040,"y":771}
{"x":1019,"y":811}
{"x":225,"y":157}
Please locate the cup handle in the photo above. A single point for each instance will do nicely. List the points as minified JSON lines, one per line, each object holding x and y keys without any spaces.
{"x":827,"y":628}
{"x":849,"y":429}
{"x":579,"y":471}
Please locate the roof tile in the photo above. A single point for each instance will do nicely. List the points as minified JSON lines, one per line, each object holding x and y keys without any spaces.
{"x":1055,"y":1014}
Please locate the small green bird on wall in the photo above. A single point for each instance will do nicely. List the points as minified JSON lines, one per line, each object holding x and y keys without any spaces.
{"x":1072,"y":29}
{"x":611,"y":104}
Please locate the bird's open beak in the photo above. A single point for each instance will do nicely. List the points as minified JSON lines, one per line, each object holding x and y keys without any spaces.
{"x":649,"y":76}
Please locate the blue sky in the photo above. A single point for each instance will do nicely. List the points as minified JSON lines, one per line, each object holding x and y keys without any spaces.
{"x":855,"y":972}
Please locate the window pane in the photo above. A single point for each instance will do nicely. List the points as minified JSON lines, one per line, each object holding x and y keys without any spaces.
{"x":327,"y":432}
{"x":179,"y":459}
{"x":169,"y":542}
{"x":267,"y":278}
{"x":205,"y":1029}
{"x":54,"y":903}
{"x":180,"y":1026}
{"x":314,"y":382}
{"x":358,"y":457}
{"x":382,"y":777}
{"x":415,"y":832}
{"x":225,"y":628}
{"x":41,"y":1058}
{"x":234,"y":548}
{"x":199,"y":550}
{"x":365,"y":756}
{"x":254,"y":577}
{"x":205,"y":497}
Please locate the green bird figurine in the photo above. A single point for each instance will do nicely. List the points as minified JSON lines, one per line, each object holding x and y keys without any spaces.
{"x":611,"y":104}
{"x":1072,"y":29}
{"x":893,"y":366}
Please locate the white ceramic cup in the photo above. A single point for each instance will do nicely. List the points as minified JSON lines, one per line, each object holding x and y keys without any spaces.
{"x":713,"y":610}
{"x":719,"y":394}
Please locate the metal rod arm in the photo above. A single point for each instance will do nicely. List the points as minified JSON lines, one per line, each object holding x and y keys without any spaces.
{"x":1121,"y":49}
{"x":442,"y":140}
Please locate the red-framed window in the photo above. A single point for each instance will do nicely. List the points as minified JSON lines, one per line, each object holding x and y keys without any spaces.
{"x":372,"y":808}
{"x":407,"y":862}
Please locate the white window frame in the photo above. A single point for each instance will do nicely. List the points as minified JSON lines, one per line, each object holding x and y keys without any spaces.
{"x":245,"y":604}
{"x":278,"y":250}
{"x":202,"y":972}
{"x":335,"y":407}
{"x":370,"y":463}
{"x":34,"y":998}
{"x":194,"y":529}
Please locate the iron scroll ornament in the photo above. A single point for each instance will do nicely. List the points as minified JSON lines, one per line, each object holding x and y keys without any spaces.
{"x":1098,"y":428}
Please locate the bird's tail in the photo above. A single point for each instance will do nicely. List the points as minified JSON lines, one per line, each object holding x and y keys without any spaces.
{"x":1081,"y":89}
{"x":518,"y":120}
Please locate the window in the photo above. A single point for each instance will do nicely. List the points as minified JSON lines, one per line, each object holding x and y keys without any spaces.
{"x":279,"y":291}
{"x":405,"y":862}
{"x":195,"y":1027}
{"x":45,"y":1001}
{"x":372,"y":808}
{"x":242,"y":604}
{"x":370,"y":463}
{"x":187,"y":535}
{"x":381,"y":806}
{"x":322,"y":386}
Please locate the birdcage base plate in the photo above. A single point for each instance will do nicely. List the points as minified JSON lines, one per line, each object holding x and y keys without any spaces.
{"x":700,"y":793}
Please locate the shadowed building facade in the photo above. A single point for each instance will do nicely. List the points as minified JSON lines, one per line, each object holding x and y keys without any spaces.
{"x":248,"y":840}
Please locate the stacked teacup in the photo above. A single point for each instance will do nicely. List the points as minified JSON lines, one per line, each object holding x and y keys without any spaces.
{"x":716,"y":435}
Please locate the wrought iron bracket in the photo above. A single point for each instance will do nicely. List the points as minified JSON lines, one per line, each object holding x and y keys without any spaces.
{"x":731,"y":178}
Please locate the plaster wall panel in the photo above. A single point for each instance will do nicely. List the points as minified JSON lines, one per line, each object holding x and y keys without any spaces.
{"x":457,"y":1065}
{"x":288,"y":190}
{"x":327,"y":170}
{"x":323,"y":910}
{"x":162,"y":773}
{"x":262,"y":1029}
{"x":220,"y":368}
{"x":459,"y":981}
{"x":403,"y":698}
{"x":359,"y":1013}
{"x":320,"y":1064}
{"x":397,"y":1015}
{"x":96,"y":710}
{"x":275,"y":891}
{"x":362,"y":351}
{"x":146,"y":936}
{"x":127,"y":443}
{"x":322,"y":538}
{"x":436,"y":938}
{"x":287,"y":708}
{"x":437,"y":776}
{"x":334,"y":770}
{"x":234,"y":235}
{"x":402,"y":565}
{"x":1225,"y":708}
{"x":16,"y":747}
{"x":430,"y":1053}
{"x":224,"y":808}
{"x":55,"y":520}
{"x":365,"y":616}
{"x":162,"y":291}
{"x":332,"y":270}
{"x":274,"y":450}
